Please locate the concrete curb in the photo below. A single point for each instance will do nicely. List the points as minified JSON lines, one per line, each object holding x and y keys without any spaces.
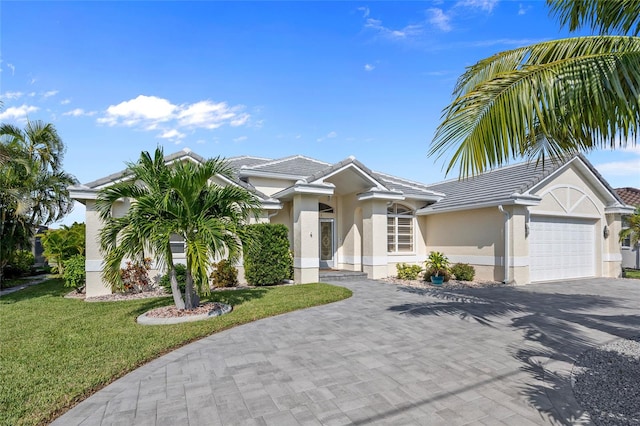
{"x":147,"y":320}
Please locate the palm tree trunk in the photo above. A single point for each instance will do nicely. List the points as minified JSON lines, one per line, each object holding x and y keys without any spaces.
{"x":175,"y":290}
{"x":191,"y":298}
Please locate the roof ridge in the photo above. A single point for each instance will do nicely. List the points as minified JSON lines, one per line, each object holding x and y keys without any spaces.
{"x":241,"y":157}
{"x":399,"y":179}
{"x":282,"y":160}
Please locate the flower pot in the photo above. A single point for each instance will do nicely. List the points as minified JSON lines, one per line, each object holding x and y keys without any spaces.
{"x":437,"y":280}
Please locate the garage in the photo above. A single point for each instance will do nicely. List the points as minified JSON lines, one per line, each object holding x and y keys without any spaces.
{"x":561,"y":248}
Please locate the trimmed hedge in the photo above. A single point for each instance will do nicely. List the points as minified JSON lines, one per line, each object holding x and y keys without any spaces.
{"x":463,"y":272}
{"x":268,"y":261}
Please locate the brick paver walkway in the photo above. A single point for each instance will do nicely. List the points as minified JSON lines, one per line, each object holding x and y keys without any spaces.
{"x":388,"y":355}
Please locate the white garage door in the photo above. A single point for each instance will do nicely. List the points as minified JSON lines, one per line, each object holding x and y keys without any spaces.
{"x":561,"y":248}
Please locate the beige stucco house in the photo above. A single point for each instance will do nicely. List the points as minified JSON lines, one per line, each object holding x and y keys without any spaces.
{"x":520,"y":223}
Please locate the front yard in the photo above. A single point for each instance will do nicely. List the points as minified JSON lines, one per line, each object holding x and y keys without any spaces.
{"x":56,"y":351}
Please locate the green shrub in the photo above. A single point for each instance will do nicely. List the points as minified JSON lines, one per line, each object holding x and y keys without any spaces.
{"x":135,"y":276}
{"x":463,"y":271}
{"x":20,"y":263}
{"x":224,"y":274}
{"x":267,"y":259}
{"x":408,"y":272}
{"x":181,"y":276}
{"x":74,"y":272}
{"x":440,"y":272}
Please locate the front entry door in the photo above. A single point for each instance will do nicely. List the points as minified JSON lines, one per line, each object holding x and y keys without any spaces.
{"x":327,"y":243}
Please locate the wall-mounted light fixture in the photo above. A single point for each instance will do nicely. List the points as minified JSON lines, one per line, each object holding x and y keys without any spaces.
{"x":605,"y":232}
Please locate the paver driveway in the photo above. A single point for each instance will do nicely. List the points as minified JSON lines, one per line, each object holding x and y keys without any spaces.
{"x":388,"y":355}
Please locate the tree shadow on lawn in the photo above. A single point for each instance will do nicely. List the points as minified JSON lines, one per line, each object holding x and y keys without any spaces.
{"x":557,"y":328}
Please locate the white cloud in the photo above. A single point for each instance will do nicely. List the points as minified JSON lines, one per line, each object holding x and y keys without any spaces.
{"x":365,"y":11}
{"x":240,"y":139}
{"x":65,"y":102}
{"x":152,"y":113}
{"x":50,"y":93}
{"x":522,"y":9}
{"x":369,"y":67}
{"x":627,"y":169}
{"x":329,"y":135}
{"x":12,"y":68}
{"x":406,"y":32}
{"x":206,"y":114}
{"x":138,"y":110}
{"x":79,"y":112}
{"x":172,"y":134}
{"x":18,"y":113}
{"x":12,"y":95}
{"x":485,"y":5}
{"x":439,"y":19}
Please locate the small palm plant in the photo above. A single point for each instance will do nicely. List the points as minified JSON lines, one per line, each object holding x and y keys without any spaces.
{"x":437,"y":263}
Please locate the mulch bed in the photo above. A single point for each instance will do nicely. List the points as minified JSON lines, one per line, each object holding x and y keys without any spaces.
{"x":450,"y":285}
{"x":173,"y":312}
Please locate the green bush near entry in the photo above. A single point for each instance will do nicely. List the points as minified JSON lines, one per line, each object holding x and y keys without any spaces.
{"x":463,"y":272}
{"x":267,"y":260}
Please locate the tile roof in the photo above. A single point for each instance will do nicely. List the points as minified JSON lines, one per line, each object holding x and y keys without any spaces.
{"x":295,"y":165}
{"x":493,"y":187}
{"x":630,"y":196}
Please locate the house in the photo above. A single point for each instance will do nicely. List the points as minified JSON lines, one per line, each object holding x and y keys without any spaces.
{"x":630,"y":255}
{"x":520,"y":223}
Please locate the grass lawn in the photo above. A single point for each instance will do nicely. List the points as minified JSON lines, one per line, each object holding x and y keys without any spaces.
{"x":55,"y":352}
{"x":632,"y":273}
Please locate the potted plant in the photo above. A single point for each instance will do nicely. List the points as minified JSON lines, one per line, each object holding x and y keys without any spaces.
{"x":437,"y":267}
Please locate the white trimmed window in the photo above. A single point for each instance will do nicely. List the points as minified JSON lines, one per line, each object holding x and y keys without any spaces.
{"x":177,"y":244}
{"x":399,"y":229}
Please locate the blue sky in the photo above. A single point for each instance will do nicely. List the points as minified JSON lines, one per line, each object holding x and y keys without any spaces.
{"x":269,"y":79}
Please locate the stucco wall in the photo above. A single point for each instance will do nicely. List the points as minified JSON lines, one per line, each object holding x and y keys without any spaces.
{"x":270,"y":186}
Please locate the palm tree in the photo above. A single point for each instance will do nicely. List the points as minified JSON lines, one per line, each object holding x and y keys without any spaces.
{"x":178,"y":200}
{"x":40,"y":151}
{"x":549,"y":99}
{"x":633,"y":230}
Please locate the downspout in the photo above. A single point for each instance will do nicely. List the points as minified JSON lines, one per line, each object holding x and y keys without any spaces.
{"x":507,"y":216}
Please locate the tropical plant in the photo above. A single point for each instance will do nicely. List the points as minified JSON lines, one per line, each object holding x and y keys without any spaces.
{"x":75,"y":272}
{"x":408,"y":272}
{"x":632,"y":230}
{"x":33,"y":185}
{"x":181,"y":199}
{"x":463,"y":272}
{"x":135,"y":276}
{"x":224,"y":274}
{"x":180,"y":270}
{"x":437,"y":264}
{"x":60,"y":244}
{"x":550,"y":99}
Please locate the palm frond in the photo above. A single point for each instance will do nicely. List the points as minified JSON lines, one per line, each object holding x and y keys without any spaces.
{"x":604,"y":16}
{"x":571,"y":102}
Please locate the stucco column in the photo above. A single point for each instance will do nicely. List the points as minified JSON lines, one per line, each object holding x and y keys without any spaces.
{"x":611,"y":250}
{"x":519,"y":246}
{"x":93,"y":266}
{"x":306,"y":249}
{"x":374,"y":238}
